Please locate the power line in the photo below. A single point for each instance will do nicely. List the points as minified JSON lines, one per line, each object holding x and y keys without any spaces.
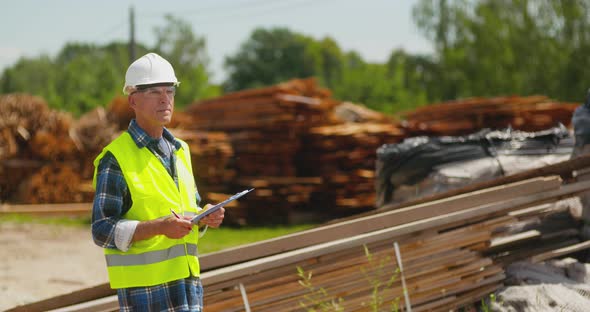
{"x":118,"y":27}
{"x":237,"y":11}
{"x":245,"y":4}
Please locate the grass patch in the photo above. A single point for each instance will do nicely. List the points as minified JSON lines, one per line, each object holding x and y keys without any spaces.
{"x":25,"y":218}
{"x":225,"y":237}
{"x":214,"y":240}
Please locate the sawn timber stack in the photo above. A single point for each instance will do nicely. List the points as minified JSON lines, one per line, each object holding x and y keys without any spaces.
{"x":454,"y":251}
{"x":293,"y":143}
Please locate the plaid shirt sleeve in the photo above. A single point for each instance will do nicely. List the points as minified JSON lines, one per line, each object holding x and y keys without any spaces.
{"x":111,"y":201}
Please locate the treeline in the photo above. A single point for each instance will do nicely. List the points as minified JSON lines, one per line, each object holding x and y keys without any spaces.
{"x":482,"y":48}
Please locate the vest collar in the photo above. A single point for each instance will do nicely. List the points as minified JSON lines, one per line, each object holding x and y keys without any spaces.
{"x":142,"y":139}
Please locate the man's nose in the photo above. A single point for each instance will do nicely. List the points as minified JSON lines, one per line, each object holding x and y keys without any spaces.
{"x":166,"y":96}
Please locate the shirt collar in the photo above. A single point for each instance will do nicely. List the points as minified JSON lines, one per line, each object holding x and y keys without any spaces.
{"x":142,"y":139}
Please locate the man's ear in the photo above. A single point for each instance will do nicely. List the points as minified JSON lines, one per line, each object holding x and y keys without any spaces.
{"x":131,"y":100}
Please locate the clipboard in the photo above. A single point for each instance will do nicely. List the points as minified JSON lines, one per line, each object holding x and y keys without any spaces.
{"x":216,"y":207}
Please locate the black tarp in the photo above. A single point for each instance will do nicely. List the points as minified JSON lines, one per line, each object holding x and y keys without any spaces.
{"x":411,"y":161}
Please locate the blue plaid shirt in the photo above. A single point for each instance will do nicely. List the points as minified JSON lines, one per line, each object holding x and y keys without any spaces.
{"x":112,"y":200}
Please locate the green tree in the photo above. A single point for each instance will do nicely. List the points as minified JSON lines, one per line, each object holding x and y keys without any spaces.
{"x":88,"y":75}
{"x":275,"y":55}
{"x":36,"y":76}
{"x":267,"y":57}
{"x":368,"y":84}
{"x":412,"y":76}
{"x":499,"y":47}
{"x":395,"y":86}
{"x":177,"y":43}
{"x":81,"y":77}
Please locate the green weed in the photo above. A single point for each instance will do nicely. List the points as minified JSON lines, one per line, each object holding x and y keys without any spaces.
{"x":318,"y":298}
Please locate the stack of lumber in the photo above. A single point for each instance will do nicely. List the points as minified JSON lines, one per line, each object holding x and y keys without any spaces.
{"x":451,"y":252}
{"x":344,"y":156}
{"x":278,"y":199}
{"x":265,"y":124}
{"x":297,"y":103}
{"x":435,"y":273}
{"x":322,"y":151}
{"x":264,"y":127}
{"x":211,"y":156}
{"x":532,"y":113}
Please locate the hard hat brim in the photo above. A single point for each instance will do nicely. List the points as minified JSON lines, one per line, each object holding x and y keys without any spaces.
{"x":161,"y":84}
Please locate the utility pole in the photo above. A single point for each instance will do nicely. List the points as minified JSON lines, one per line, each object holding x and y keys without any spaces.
{"x":131,"y":35}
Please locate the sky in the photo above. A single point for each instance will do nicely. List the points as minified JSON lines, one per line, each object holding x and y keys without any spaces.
{"x":373,"y":28}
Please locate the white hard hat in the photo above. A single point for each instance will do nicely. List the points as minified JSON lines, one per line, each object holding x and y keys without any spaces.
{"x":147,"y":70}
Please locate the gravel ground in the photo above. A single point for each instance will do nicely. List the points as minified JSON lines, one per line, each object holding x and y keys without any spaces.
{"x":40,"y":261}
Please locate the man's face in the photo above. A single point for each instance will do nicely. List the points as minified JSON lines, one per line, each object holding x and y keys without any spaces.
{"x":153,"y":105}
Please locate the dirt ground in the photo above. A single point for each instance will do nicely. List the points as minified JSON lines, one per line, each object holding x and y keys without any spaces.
{"x":39,"y":261}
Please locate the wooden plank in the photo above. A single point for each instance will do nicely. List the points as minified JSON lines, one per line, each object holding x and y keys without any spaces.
{"x":560,"y":252}
{"x":505,"y":241}
{"x":72,"y":298}
{"x":510,"y":256}
{"x":433,"y":304}
{"x":375,"y":222}
{"x":539,"y":210}
{"x":106,"y":304}
{"x":473,"y":296}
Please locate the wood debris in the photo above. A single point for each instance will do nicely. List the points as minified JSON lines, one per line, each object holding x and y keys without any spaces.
{"x":460,"y":117}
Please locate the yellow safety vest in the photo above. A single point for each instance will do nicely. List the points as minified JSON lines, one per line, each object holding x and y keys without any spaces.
{"x":159,"y":259}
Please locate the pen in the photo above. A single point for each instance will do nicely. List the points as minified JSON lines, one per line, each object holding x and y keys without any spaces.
{"x":174,"y":213}
{"x":178,"y":217}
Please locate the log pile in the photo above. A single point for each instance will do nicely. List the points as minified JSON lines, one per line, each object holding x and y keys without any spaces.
{"x":293,"y":132}
{"x":461,"y":117}
{"x":49,"y":154}
{"x":36,"y":147}
{"x":20,"y":116}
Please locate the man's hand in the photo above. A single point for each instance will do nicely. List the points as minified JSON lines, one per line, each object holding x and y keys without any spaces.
{"x":174,"y":227}
{"x":213,"y":220}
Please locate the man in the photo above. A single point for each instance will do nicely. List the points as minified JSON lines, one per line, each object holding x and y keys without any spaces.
{"x":145,"y":198}
{"x":581,"y":125}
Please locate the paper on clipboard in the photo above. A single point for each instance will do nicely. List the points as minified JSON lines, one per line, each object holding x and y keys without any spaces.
{"x":216,"y":207}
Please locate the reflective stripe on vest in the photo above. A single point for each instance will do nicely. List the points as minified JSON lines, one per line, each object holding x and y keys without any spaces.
{"x":158,"y":259}
{"x":151,"y":256}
